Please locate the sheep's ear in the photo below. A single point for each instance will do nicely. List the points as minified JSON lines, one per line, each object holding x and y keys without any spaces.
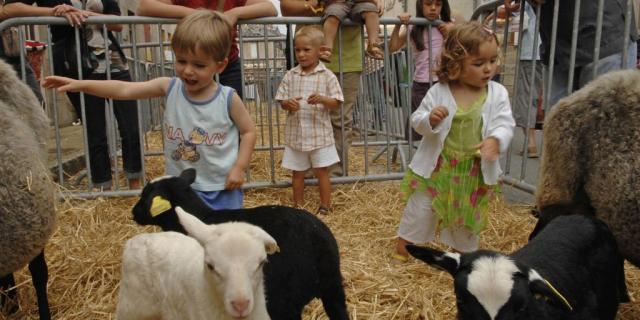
{"x":541,"y":288}
{"x":446,"y":260}
{"x":194,"y":227}
{"x":159,"y":205}
{"x":189,"y":175}
{"x":270,"y":244}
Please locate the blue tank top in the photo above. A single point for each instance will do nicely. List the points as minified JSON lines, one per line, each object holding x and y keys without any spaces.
{"x":200,"y":135}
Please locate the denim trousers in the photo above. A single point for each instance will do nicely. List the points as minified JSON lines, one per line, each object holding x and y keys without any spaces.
{"x":126,"y":114}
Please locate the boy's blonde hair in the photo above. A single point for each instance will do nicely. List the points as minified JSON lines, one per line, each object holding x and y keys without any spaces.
{"x":462,"y":40}
{"x":204,"y":30}
{"x":312,"y":32}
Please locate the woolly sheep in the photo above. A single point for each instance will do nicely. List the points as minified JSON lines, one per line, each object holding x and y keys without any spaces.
{"x":591,"y":158}
{"x":307,"y":266}
{"x":570,"y":271}
{"x":27,"y":214}
{"x":216,"y":274}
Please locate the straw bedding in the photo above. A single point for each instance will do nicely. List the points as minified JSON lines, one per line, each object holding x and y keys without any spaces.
{"x":84,"y":254}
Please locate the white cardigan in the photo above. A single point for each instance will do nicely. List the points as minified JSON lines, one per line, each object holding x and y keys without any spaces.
{"x":497,"y":122}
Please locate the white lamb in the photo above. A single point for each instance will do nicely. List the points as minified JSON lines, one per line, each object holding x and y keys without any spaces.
{"x":214,"y":273}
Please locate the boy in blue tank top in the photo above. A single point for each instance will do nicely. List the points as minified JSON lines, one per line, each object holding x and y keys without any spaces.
{"x":206,"y":125}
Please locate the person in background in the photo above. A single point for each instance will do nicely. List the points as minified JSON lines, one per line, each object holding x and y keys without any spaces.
{"x":307,"y":92}
{"x":524,"y":110}
{"x":206,"y":125}
{"x":125,"y":111}
{"x":232,"y":10}
{"x":611,"y":45}
{"x":465,"y":121}
{"x":30,"y":78}
{"x":423,"y":76}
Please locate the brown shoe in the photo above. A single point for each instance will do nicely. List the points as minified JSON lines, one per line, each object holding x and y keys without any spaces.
{"x":532,"y":153}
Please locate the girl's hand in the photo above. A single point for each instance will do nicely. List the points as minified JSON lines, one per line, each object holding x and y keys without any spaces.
{"x":445,"y":27}
{"x":489,"y":149}
{"x":291,"y":104}
{"x":235,"y":179}
{"x":437,"y":115}
{"x":315,"y":98}
{"x":404,"y":18}
{"x":63,"y":84}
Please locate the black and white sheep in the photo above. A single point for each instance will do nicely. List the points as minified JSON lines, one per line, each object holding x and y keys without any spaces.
{"x":307,"y":266}
{"x":27,"y":214}
{"x":216,"y":273}
{"x":570,"y":270}
{"x":591,"y":158}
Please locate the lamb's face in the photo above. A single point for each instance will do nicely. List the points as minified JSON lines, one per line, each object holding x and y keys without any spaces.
{"x":234,"y":253}
{"x":491,"y":286}
{"x":234,"y":261}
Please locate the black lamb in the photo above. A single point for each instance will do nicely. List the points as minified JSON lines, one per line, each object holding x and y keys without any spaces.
{"x":307,"y":266}
{"x":571,"y":271}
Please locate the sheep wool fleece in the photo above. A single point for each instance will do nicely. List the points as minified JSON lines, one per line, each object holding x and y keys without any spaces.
{"x":592,"y":146}
{"x":27,"y":214}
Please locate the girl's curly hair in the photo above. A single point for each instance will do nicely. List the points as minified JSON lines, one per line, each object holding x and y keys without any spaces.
{"x":462,"y":40}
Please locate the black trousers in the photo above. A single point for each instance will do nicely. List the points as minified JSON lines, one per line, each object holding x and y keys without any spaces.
{"x":126,"y":114}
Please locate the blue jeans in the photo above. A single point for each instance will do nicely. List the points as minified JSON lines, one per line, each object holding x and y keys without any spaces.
{"x":584,"y":74}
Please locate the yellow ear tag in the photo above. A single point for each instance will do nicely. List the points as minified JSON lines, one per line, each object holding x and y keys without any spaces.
{"x":159,"y":205}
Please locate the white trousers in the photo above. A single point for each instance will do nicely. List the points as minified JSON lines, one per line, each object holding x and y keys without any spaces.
{"x":419,"y":225}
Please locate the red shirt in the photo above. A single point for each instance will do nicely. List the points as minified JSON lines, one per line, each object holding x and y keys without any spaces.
{"x":212,"y":5}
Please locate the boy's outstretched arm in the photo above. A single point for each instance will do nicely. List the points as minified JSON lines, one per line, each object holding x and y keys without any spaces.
{"x":247,"y":128}
{"x":112,"y":89}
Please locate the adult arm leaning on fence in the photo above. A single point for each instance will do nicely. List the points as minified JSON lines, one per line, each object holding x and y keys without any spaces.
{"x":76,"y":17}
{"x":173,"y":9}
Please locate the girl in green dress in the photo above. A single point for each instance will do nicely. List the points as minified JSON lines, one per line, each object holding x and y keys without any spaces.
{"x":465,"y":121}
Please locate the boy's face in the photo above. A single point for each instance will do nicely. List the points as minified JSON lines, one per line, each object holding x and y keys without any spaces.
{"x":196,"y":70}
{"x":307,"y":52}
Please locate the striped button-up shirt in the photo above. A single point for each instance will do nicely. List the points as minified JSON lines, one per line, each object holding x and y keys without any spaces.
{"x":310,"y":127}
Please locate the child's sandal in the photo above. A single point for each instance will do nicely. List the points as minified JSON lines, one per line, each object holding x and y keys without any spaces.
{"x":323,"y":210}
{"x":397,"y":258}
{"x":374,"y":51}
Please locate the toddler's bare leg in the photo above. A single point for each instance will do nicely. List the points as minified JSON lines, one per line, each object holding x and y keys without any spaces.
{"x":297,"y":182}
{"x":330,"y":28}
{"x":324,"y":186}
{"x":372,"y":24}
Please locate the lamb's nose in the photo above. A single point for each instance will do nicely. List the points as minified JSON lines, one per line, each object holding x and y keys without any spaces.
{"x":240,"y":305}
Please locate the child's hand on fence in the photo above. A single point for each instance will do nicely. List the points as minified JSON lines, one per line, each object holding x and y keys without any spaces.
{"x":404,"y":18}
{"x":235,"y":179}
{"x":292,"y":104}
{"x":63,"y":84}
{"x":437,"y":115}
{"x":315,"y":98}
{"x":489,"y":149}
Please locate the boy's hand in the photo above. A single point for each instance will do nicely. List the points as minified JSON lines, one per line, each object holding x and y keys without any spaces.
{"x":437,"y":115}
{"x":315,"y":98}
{"x":404,"y":18}
{"x":489,"y":149}
{"x":291,"y":104}
{"x":380,"y":7}
{"x":63,"y":84}
{"x":235,"y":179}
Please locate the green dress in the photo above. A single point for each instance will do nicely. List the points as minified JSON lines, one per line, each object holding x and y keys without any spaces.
{"x":457,"y":189}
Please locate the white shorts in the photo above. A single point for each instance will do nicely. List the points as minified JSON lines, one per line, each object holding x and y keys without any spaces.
{"x":302,"y":160}
{"x":419,"y":224}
